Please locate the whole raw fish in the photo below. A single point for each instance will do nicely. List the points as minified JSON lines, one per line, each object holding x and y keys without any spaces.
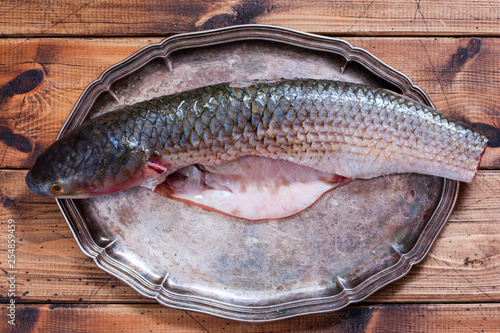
{"x":330,"y":127}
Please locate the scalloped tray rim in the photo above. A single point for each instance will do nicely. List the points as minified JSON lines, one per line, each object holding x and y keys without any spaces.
{"x":275,"y":311}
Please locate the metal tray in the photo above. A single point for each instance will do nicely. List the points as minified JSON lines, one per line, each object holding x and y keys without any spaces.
{"x":353,"y":241}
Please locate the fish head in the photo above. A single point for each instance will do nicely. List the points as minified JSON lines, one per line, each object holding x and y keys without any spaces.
{"x":87,"y":162}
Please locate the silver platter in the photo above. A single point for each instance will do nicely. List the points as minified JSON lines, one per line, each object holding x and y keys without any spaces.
{"x":352,"y":242}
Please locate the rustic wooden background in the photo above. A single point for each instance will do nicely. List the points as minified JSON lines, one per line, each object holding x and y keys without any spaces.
{"x":51,"y":50}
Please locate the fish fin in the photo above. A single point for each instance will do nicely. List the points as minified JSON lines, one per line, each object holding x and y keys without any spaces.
{"x":155,"y":171}
{"x":156,"y":165}
{"x":252,"y":188}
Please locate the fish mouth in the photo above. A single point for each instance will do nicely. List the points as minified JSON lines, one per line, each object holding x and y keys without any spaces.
{"x":33,"y":185}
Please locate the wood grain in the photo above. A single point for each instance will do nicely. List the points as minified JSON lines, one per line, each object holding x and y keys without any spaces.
{"x":163,"y":17}
{"x":462,"y":266}
{"x":51,"y":50}
{"x":456,"y":318}
{"x":41,"y":79}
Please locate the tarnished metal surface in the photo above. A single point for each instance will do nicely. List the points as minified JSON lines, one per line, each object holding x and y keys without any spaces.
{"x":354,"y":240}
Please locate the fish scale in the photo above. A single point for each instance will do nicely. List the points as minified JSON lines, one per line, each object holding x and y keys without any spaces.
{"x":341,"y":128}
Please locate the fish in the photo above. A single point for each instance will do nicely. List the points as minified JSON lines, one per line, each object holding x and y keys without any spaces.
{"x":222,"y":146}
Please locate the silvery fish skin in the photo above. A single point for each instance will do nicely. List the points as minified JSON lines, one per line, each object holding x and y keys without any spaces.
{"x":336,"y":127}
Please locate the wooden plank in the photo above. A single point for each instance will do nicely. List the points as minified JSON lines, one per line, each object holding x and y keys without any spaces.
{"x":456,"y":74}
{"x":462,"y":266}
{"x":454,"y":318}
{"x":466,"y":255}
{"x":41,"y":79}
{"x":49,"y":262}
{"x":361,"y":17}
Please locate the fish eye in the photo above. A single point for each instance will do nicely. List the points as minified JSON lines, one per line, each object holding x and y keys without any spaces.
{"x":56,"y":189}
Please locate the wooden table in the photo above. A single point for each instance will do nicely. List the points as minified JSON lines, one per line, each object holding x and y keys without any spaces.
{"x":51,"y":50}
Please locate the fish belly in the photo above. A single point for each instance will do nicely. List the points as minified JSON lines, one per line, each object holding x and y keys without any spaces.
{"x":251,"y":187}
